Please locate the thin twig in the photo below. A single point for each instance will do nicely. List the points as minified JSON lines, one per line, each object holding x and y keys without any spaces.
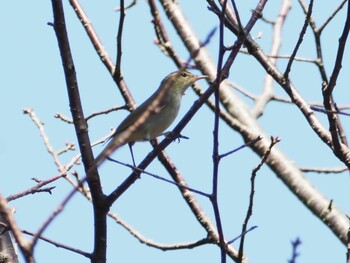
{"x":242,"y":234}
{"x":335,"y":126}
{"x":318,"y":46}
{"x":102,"y":53}
{"x":92,"y":115}
{"x":336,"y":111}
{"x":60,"y":245}
{"x":324,"y":170}
{"x":252,"y":192}
{"x":68,"y":147}
{"x":240,"y":147}
{"x":295,"y":245}
{"x":300,"y":40}
{"x":132,"y":3}
{"x":296,"y":58}
{"x":158,"y":177}
{"x":63,"y":118}
{"x":117,"y":72}
{"x":43,"y":134}
{"x":267,"y":94}
{"x":163,"y":40}
{"x":330,"y":18}
{"x":151,"y":243}
{"x":106,"y":111}
{"x":216,"y":158}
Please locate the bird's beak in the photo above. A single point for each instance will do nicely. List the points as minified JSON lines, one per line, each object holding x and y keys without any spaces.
{"x":201,"y":77}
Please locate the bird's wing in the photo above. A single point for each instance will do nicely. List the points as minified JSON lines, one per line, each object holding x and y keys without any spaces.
{"x":135,"y":115}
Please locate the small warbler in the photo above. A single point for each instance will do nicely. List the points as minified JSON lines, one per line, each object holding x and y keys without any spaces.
{"x":169,"y":95}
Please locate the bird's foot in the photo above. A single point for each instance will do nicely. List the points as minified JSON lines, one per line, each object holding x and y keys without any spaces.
{"x":171,"y":135}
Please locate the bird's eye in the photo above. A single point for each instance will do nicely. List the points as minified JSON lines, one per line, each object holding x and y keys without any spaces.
{"x":184,"y":74}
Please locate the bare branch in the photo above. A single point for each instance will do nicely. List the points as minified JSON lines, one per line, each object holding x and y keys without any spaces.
{"x":106,"y":112}
{"x":324,"y":170}
{"x":335,"y":127}
{"x":159,"y":177}
{"x":81,"y":128}
{"x":151,"y":243}
{"x":63,"y":118}
{"x":295,"y":245}
{"x":300,"y":40}
{"x":251,"y":197}
{"x":132,"y":3}
{"x":69,"y":147}
{"x":240,"y":147}
{"x":268,"y":91}
{"x":60,"y":245}
{"x":330,"y":18}
{"x":43,"y":134}
{"x":102,"y":53}
{"x":117,"y":73}
{"x":216,"y":159}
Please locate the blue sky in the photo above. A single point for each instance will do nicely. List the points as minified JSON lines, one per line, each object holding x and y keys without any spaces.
{"x":33,"y":78}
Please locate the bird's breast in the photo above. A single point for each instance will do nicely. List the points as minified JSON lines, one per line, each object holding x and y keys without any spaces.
{"x":162,"y":118}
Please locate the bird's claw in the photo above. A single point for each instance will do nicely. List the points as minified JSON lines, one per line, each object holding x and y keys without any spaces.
{"x":178,"y":138}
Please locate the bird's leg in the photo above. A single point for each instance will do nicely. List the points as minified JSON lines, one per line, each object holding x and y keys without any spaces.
{"x":132,"y":153}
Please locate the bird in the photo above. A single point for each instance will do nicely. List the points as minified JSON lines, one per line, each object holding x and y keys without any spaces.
{"x":159,"y":111}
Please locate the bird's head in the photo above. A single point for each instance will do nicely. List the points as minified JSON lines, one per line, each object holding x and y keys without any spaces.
{"x":180,"y":80}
